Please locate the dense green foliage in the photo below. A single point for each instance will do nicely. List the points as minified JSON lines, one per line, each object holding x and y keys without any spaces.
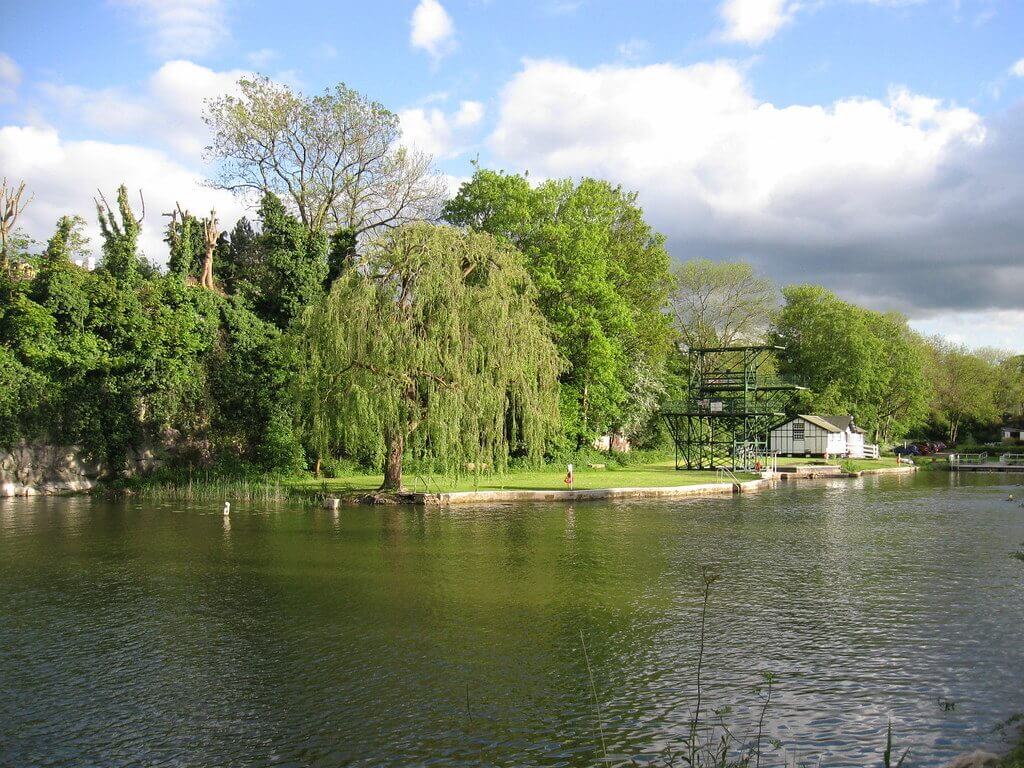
{"x":855,"y":361}
{"x":602,"y":276}
{"x":894,"y":381}
{"x":336,"y":325}
{"x":435,"y":348}
{"x":118,"y":357}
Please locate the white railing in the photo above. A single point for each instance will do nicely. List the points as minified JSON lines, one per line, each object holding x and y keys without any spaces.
{"x":865,"y":451}
{"x":967,"y":459}
{"x":725,"y":474}
{"x":1013,"y":459}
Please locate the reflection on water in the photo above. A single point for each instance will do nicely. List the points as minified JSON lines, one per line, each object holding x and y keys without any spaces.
{"x":140,"y":633}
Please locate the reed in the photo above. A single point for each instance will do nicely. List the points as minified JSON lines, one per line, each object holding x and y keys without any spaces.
{"x":203,"y":488}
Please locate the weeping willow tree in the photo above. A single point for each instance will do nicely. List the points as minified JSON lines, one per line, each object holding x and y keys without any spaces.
{"x":433,"y":348}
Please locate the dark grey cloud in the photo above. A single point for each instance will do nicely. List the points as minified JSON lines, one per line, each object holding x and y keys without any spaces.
{"x":908,"y":204}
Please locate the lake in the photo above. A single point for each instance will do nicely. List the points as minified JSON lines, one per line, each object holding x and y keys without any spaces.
{"x":140,"y":634}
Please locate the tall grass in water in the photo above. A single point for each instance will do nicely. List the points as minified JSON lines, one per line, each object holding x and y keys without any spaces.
{"x":212,"y":488}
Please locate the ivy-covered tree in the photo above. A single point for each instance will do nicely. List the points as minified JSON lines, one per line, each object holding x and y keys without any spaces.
{"x":341,"y":255}
{"x":239,"y":260}
{"x":435,"y":348}
{"x":184,"y":243}
{"x":251,"y":376}
{"x":293,"y":264}
{"x":120,"y":230}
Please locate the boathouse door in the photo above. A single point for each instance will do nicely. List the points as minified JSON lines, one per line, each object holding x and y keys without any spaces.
{"x":798,"y":437}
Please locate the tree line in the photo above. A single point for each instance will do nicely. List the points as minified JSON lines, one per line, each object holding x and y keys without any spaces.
{"x":361,"y":314}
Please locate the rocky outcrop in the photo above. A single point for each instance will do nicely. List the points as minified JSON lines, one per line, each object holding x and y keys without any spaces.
{"x":34,"y":468}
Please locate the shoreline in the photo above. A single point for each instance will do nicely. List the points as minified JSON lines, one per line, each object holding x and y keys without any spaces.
{"x":455,"y":498}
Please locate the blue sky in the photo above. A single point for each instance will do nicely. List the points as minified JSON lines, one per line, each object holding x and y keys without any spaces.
{"x":874,"y":146}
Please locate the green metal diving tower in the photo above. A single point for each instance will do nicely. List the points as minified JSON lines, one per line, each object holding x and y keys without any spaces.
{"x":733,"y":400}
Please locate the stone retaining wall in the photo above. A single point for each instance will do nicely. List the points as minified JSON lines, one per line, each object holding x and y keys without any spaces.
{"x":35,"y":468}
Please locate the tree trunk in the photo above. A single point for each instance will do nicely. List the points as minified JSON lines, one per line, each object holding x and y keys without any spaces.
{"x":316,"y":469}
{"x":393,"y":462}
{"x":210,"y":235}
{"x":207,"y":279}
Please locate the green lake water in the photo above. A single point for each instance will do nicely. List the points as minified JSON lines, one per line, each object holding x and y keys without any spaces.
{"x":163,"y":634}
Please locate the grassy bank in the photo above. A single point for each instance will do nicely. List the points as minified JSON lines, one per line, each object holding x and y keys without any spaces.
{"x":202,"y":486}
{"x":654,"y":475}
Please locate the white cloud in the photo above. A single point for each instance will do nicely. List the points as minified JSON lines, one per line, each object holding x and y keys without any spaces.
{"x":64,"y":176}
{"x":168,"y":110}
{"x":1017,"y":70}
{"x":755,"y":21}
{"x":10,"y":78}
{"x":1000,"y":329}
{"x":469,"y":114}
{"x":432,"y":28}
{"x":262,"y":57}
{"x":191,"y":28}
{"x":904,"y":203}
{"x":433,"y":131}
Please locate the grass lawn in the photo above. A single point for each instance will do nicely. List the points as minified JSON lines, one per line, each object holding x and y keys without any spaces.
{"x":854,"y":465}
{"x":644,"y":476}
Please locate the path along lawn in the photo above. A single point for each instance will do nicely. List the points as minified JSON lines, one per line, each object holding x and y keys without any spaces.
{"x":658,"y":475}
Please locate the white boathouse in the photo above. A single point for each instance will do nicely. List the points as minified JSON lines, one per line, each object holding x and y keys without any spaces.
{"x":812,"y":435}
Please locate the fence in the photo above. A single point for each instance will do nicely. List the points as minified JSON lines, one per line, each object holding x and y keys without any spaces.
{"x":967,"y":459}
{"x":871,"y":451}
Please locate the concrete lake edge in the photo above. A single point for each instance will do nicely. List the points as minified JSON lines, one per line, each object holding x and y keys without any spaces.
{"x":455,"y":498}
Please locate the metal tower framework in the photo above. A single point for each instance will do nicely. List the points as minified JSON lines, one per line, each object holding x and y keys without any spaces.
{"x":733,"y":401}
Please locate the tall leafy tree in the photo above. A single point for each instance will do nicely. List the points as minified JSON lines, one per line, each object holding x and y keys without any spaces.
{"x":965,"y":388}
{"x":852,"y":359}
{"x":719,"y":304}
{"x":1011,"y":386}
{"x":435,"y":349}
{"x":335,"y":158}
{"x":900,"y":391}
{"x":602,"y":276}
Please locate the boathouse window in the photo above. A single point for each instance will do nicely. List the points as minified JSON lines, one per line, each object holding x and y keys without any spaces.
{"x":798,"y":430}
